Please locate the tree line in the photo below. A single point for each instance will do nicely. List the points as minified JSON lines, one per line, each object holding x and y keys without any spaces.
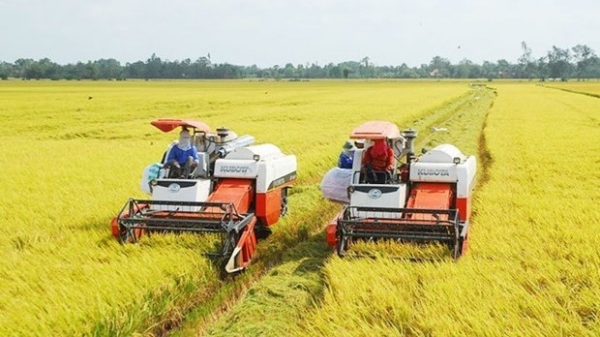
{"x":580,"y":62}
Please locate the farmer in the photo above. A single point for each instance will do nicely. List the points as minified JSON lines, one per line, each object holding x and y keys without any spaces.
{"x":347,"y":156}
{"x":378,"y":161}
{"x":184,"y":154}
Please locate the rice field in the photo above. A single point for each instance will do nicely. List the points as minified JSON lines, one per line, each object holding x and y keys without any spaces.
{"x":533,"y":268}
{"x":585,"y":88}
{"x":74,"y":153}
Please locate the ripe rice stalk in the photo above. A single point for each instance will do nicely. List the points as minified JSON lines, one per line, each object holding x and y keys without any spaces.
{"x":69,"y":164}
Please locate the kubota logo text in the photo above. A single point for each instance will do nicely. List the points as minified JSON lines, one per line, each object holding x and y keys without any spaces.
{"x":433,"y":172}
{"x":235,"y":169}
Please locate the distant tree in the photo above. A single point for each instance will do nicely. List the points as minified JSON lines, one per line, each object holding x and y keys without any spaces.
{"x":527,"y":66}
{"x":503,"y":69}
{"x":594,"y":68}
{"x":558,"y":63}
{"x":345,"y":72}
{"x":365,"y":67}
{"x":225,"y":71}
{"x":404,"y":71}
{"x":316,"y":71}
{"x":489,"y":71}
{"x":300,"y":71}
{"x":584,"y":58}
{"x":353,"y":68}
{"x":204,"y":65}
{"x":136,"y":70}
{"x":69,"y":72}
{"x":542,"y":68}
{"x":580,"y":61}
{"x":252,"y":71}
{"x":466,"y":69}
{"x":154,"y":67}
{"x":5,"y":70}
{"x":92,"y":71}
{"x":109,"y":68}
{"x":439,"y":67}
{"x":289,"y":71}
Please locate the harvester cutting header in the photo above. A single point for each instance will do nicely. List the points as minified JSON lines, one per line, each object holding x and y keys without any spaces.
{"x":424,"y":198}
{"x":211,"y":183}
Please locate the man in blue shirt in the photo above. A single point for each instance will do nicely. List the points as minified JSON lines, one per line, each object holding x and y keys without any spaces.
{"x":184,"y":154}
{"x":347,"y":156}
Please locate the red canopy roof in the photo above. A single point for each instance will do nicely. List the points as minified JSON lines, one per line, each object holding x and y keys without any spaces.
{"x":375,"y":130}
{"x":169,"y":124}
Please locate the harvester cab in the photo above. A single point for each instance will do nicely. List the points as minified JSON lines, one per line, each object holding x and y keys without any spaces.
{"x":425,"y":198}
{"x":236,"y":190}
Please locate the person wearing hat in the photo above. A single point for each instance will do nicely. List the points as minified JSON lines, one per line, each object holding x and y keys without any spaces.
{"x":184,"y":154}
{"x":347,"y":156}
{"x":378,"y":157}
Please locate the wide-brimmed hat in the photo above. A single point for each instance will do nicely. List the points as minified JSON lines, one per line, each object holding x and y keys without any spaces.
{"x":349,"y":146}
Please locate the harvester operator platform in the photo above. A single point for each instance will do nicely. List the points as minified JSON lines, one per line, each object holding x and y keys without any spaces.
{"x":183,"y":155}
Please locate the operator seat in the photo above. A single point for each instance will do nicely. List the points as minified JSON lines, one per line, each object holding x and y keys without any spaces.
{"x":371,"y":176}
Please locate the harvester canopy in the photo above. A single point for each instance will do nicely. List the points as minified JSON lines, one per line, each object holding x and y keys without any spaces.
{"x":168,"y":124}
{"x":376,"y":130}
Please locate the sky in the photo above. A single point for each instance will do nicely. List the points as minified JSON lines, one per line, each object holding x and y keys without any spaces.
{"x":276,"y":32}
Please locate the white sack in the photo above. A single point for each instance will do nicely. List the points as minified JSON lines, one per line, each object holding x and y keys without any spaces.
{"x":334,"y":185}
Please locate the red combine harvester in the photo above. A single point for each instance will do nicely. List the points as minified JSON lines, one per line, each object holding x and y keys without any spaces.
{"x":236,"y":190}
{"x":424,"y":199}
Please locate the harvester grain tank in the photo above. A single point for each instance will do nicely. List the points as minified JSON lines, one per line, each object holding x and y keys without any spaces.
{"x":425,"y":198}
{"x":237,"y":190}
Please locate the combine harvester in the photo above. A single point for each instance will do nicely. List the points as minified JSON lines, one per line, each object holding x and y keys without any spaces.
{"x":237,"y":190}
{"x":424,"y":199}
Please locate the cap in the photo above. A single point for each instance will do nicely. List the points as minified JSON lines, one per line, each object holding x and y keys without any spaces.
{"x":348,"y":145}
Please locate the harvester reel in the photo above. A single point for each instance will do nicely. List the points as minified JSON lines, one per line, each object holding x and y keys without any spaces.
{"x":459,"y":247}
{"x":455,"y":247}
{"x":342,"y":244}
{"x":343,"y":241}
{"x":229,"y":244}
{"x":129,"y":235}
{"x":284,"y":202}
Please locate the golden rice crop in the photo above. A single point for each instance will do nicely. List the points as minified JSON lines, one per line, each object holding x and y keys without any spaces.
{"x":585,"y":88}
{"x":73,"y":153}
{"x":277,"y":303}
{"x":533,"y":268}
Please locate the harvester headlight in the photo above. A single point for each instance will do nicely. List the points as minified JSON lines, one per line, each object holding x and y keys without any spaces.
{"x":256,"y":157}
{"x":457,"y":160}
